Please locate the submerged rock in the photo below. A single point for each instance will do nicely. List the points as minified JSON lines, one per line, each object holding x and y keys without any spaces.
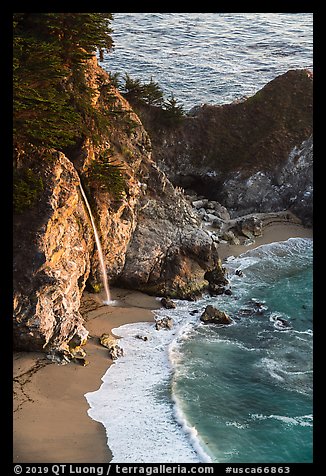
{"x":164,"y":323}
{"x":212,"y":315}
{"x":280,"y":323}
{"x":144,"y":338}
{"x":168,"y":303}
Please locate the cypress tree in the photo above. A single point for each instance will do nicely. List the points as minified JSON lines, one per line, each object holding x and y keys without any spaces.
{"x":50,"y":97}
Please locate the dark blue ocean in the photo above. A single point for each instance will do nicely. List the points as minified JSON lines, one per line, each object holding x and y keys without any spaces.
{"x":202,"y":393}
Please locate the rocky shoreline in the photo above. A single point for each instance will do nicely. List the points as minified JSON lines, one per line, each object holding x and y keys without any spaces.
{"x":156,"y":238}
{"x":51,"y":396}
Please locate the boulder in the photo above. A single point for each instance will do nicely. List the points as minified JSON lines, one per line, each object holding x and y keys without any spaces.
{"x":111,"y":343}
{"x":115,"y":352}
{"x":164,"y":323}
{"x":222,"y":212}
{"x":209,"y":217}
{"x":212,"y":315}
{"x":217,"y":223}
{"x":78,"y":353}
{"x":251,"y":227}
{"x":230,"y":237}
{"x":200,"y":204}
{"x":168,"y":303}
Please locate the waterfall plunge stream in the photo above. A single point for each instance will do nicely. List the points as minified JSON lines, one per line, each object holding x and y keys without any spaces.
{"x":99,"y":249}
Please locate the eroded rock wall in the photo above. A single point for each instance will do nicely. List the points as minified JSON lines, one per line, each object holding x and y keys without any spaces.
{"x":253,"y":155}
{"x":168,"y":254}
{"x":52,"y":248}
{"x":148,"y":233}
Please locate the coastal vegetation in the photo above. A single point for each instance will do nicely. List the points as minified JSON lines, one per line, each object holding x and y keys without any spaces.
{"x":108,"y":175}
{"x":73,"y":126}
{"x":27,"y":188}
{"x":146,"y":96}
{"x":53,"y":102}
{"x":51,"y":99}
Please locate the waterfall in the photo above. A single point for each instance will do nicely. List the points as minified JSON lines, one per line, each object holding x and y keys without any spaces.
{"x":99,"y":249}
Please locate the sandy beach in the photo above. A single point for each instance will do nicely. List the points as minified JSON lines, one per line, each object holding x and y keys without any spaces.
{"x":51,"y":424}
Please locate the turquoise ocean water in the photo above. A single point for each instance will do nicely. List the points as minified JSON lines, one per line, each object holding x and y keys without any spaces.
{"x":205,"y":393}
{"x":199,"y":393}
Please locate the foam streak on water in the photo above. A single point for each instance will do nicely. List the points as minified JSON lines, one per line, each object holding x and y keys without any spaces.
{"x":201,"y":393}
{"x":134,"y":402}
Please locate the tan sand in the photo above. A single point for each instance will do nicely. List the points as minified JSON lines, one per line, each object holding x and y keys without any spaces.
{"x":275,"y":232}
{"x":51,"y":424}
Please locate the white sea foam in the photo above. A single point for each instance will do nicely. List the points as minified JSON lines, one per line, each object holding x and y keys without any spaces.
{"x":138,"y":404}
{"x":142,"y":424}
{"x":236,"y":424}
{"x":304,"y":420}
{"x":273,"y":367}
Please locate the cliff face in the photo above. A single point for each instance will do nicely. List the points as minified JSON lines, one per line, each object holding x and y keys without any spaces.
{"x":151,"y":237}
{"x":168,"y":253}
{"x":234,"y":150}
{"x":288,"y":187}
{"x":148,"y":232}
{"x":52,"y":248}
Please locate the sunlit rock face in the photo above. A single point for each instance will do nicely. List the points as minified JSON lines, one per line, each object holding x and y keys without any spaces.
{"x":52,"y":247}
{"x":149,"y":234}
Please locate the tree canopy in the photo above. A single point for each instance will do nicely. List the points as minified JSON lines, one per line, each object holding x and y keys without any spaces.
{"x":50,"y":50}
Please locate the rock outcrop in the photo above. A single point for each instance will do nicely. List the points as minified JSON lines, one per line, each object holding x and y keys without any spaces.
{"x":152,"y":237}
{"x":164,"y":323}
{"x":52,"y":248}
{"x":148,"y":231}
{"x":288,"y":187}
{"x":250,"y":156}
{"x":111,"y":343}
{"x":168,"y":254}
{"x":212,"y":315}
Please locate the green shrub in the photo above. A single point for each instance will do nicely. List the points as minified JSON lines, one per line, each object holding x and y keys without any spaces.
{"x":27,"y":188}
{"x":52,"y":103}
{"x":108,"y":175}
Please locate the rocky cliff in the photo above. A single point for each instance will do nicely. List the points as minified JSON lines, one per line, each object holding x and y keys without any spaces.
{"x":147,"y":229}
{"x":168,"y":253}
{"x":253,"y":155}
{"x":152,"y":237}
